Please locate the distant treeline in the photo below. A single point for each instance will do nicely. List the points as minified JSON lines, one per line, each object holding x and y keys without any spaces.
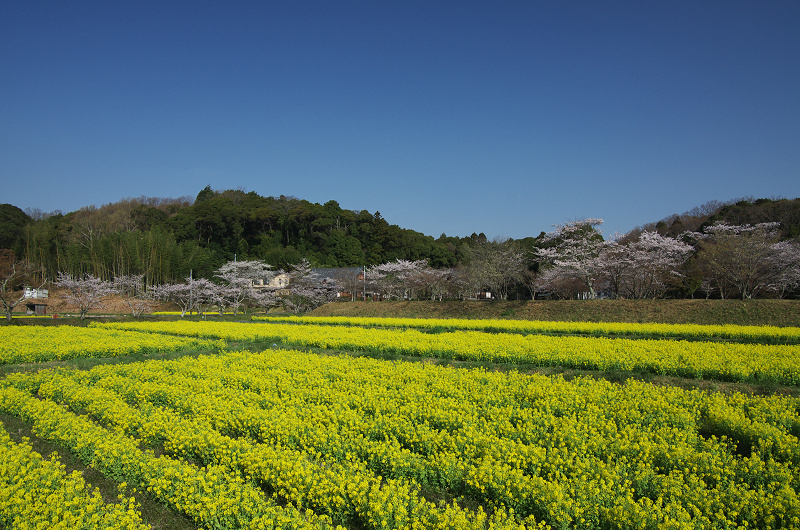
{"x":165,"y":239}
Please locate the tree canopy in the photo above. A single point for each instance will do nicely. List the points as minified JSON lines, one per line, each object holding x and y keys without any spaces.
{"x":164,"y":239}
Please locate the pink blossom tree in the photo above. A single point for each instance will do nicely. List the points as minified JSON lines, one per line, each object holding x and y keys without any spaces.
{"x":786,"y":259}
{"x":86,"y":293}
{"x":574,"y":248}
{"x":646,"y":267}
{"x":392,"y":279}
{"x":131,"y":289}
{"x":238,"y":278}
{"x":307,"y":289}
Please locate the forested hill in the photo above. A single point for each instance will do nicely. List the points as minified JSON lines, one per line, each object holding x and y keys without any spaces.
{"x":165,"y":239}
{"x":738,"y":212}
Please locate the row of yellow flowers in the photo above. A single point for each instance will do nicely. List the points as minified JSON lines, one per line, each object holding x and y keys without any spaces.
{"x":715,"y":360}
{"x":29,"y":344}
{"x":695,"y":331}
{"x":37,"y":493}
{"x":343,"y":489}
{"x":211,"y":496}
{"x":359,"y":440}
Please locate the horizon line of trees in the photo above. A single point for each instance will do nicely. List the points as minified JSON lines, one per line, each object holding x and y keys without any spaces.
{"x":164,"y":240}
{"x":574,"y":261}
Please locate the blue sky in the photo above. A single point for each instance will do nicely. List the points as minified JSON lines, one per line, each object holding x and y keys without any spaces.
{"x":447,"y":117}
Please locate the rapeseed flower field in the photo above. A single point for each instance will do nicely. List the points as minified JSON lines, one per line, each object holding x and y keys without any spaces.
{"x":291,"y":439}
{"x":33,"y":344}
{"x":650,"y":329}
{"x":694,"y":359}
{"x":36,"y":492}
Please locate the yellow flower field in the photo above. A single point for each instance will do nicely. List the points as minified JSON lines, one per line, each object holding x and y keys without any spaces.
{"x":697,"y":331}
{"x":313,"y":441}
{"x":712,"y":360}
{"x":32,"y":344}
{"x":290,"y":439}
{"x":37,"y":493}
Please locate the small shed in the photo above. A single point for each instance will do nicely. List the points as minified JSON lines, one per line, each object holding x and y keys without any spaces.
{"x":36,"y":308}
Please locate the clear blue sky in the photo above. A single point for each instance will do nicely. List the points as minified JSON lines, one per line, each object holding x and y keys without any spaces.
{"x":452,"y":116}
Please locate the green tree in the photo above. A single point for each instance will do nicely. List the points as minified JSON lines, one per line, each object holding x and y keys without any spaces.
{"x":12,"y":227}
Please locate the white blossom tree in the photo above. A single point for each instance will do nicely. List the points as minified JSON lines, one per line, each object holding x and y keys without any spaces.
{"x":786,"y":259}
{"x":307,"y":289}
{"x":266,"y":299}
{"x":131,"y":289}
{"x":643,"y":268}
{"x":393,"y":279}
{"x":206,"y":294}
{"x":238,"y":278}
{"x":178,"y":293}
{"x":86,"y":293}
{"x":559,"y":282}
{"x":197,"y":294}
{"x":574,"y":248}
{"x":616,"y":263}
{"x":433,"y":283}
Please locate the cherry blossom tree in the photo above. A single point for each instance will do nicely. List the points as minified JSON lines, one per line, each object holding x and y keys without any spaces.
{"x":574,"y":248}
{"x":616,"y":263}
{"x":238,"y":278}
{"x":643,"y":268}
{"x":131,"y":289}
{"x":264,"y":298}
{"x":206,"y":294}
{"x":786,"y":259}
{"x":393,"y":279}
{"x":218,"y":296}
{"x":86,"y":293}
{"x":178,"y":293}
{"x":434,"y":283}
{"x":559,"y":282}
{"x":197,"y":294}
{"x":307,"y":289}
{"x":742,"y":256}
